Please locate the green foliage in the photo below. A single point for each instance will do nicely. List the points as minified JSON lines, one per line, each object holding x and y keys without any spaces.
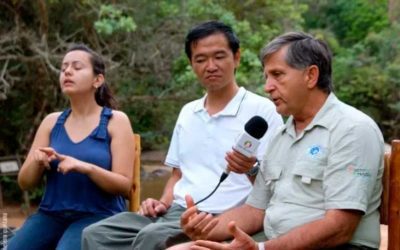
{"x":367,"y":76}
{"x":10,"y":188}
{"x":351,"y":21}
{"x":36,"y":195}
{"x":112,"y":20}
{"x":366,"y":51}
{"x":142,"y":43}
{"x":145,"y":93}
{"x":12,"y":192}
{"x":252,"y":31}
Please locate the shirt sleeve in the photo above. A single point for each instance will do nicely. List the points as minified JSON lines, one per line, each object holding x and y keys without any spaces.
{"x":172,"y":158}
{"x":355,"y":168}
{"x":258,"y":196}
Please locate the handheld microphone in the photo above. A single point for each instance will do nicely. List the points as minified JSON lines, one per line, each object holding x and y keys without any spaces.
{"x":247,"y":144}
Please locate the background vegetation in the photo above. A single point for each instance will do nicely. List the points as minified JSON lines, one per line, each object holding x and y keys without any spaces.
{"x":142,"y":43}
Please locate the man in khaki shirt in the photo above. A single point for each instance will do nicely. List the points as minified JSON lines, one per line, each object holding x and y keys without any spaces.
{"x":320,"y":182}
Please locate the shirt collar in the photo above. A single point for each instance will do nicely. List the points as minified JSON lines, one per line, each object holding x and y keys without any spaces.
{"x":231,"y":109}
{"x":322,"y":118}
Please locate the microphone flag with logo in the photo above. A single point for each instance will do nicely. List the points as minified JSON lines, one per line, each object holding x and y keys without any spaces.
{"x":248,"y":142}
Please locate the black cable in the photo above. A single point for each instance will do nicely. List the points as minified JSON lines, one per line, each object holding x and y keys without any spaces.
{"x":223,"y":177}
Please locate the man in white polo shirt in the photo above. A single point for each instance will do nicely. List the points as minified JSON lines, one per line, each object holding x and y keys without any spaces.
{"x":200,"y":149}
{"x":319,"y":185}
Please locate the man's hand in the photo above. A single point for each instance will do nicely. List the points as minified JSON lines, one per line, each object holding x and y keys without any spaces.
{"x":194,"y":224}
{"x":241,"y":241}
{"x":239,"y":163}
{"x":152,"y":208}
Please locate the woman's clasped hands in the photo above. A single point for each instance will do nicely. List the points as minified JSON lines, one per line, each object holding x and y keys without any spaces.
{"x":45,"y":155}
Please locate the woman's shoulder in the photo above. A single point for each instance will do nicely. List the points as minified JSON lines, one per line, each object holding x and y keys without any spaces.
{"x":49,"y":121}
{"x":119,"y":120}
{"x":51,"y":118}
{"x":118,"y":115}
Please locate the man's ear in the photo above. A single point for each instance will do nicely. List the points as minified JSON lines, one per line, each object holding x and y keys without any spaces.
{"x":236,"y":58}
{"x":312,"y":75}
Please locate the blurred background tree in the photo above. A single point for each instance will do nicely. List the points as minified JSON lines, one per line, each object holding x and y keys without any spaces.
{"x":364,"y":36}
{"x":142,"y":43}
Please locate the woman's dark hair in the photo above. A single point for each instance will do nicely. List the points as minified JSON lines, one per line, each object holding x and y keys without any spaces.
{"x":207,"y":29}
{"x":103,"y":94}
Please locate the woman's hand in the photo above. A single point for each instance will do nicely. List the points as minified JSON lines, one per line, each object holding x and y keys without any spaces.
{"x":66,"y":163}
{"x":43,"y":156}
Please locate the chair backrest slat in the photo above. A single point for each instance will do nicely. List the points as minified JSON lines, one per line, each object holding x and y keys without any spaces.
{"x":134,"y":196}
{"x":390,"y":204}
{"x":394,"y":198}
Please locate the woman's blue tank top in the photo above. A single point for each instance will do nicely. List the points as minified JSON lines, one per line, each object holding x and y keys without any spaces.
{"x":75,"y":191}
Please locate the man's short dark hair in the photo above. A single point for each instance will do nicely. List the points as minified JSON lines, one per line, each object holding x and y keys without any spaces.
{"x":210,"y":28}
{"x":303,"y":51}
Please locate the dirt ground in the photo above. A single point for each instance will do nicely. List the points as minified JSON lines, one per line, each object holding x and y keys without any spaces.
{"x":13,"y":215}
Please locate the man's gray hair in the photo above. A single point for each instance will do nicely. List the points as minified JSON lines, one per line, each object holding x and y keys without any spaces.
{"x":303,"y":51}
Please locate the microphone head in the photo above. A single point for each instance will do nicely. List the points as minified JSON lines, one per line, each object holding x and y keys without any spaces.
{"x":256,"y":127}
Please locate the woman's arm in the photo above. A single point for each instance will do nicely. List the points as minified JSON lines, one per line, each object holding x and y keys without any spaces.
{"x":36,"y":162}
{"x":119,"y":179}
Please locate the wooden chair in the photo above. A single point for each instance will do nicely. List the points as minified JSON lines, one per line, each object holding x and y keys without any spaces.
{"x":134,"y":196}
{"x":390,"y":207}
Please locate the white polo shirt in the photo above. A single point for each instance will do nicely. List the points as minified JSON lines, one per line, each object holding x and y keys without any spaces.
{"x":199,"y":145}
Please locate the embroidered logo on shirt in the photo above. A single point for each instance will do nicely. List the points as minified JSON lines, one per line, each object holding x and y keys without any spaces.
{"x":358,"y":172}
{"x":314,"y":150}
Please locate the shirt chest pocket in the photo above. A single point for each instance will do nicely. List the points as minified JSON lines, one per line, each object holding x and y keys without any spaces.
{"x":271,"y":174}
{"x":308,"y":172}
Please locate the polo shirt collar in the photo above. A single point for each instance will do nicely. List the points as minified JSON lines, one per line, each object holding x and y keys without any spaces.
{"x":322,"y":118}
{"x":231,"y":109}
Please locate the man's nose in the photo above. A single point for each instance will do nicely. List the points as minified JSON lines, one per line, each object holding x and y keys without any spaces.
{"x":211,"y":65}
{"x":269,"y":85}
